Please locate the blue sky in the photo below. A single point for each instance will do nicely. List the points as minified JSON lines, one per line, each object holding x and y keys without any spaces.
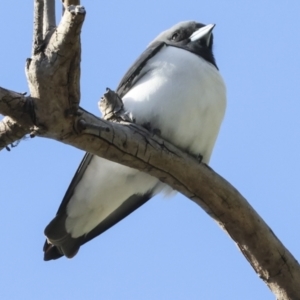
{"x":169,"y":248}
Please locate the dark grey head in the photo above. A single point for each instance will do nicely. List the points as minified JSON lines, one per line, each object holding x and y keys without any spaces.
{"x":192,"y":36}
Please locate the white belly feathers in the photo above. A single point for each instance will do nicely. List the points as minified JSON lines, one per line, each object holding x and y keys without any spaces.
{"x":185,"y":101}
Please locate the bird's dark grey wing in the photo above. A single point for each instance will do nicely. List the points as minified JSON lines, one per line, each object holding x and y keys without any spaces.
{"x":58,"y":223}
{"x":59,"y":242}
{"x":134,"y":71}
{"x":64,"y":244}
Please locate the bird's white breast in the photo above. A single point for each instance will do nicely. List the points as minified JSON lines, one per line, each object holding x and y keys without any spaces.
{"x":183,"y":96}
{"x":180,"y":94}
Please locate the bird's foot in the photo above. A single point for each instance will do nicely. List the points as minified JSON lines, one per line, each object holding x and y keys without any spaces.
{"x":154,"y":131}
{"x":199,"y":157}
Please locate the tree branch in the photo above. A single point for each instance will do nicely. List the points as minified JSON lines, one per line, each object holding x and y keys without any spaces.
{"x":20,"y":116}
{"x":53,"y":74}
{"x":15,"y":105}
{"x":10,"y":132}
{"x":133,"y":146}
{"x":38,"y":25}
{"x":49,"y":22}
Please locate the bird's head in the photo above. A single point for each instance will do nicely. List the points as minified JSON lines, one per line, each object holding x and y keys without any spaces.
{"x":192,"y":36}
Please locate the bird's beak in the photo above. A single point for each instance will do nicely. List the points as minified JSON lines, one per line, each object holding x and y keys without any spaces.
{"x":203,"y":33}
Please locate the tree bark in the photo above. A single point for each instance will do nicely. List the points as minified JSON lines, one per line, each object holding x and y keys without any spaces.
{"x":53,"y":111}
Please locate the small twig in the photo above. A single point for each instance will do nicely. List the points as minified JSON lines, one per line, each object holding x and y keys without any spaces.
{"x":49,"y":16}
{"x":38,"y":25}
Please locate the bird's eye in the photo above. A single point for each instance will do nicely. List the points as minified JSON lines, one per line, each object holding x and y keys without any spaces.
{"x":175,"y":36}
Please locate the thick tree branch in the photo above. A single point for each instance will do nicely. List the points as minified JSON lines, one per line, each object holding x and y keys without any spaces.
{"x":53,"y":78}
{"x":16,"y":105}
{"x":134,"y":147}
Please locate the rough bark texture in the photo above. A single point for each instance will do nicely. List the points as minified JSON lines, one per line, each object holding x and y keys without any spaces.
{"x":52,"y":111}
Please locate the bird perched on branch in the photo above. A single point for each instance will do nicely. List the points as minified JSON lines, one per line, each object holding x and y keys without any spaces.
{"x":174,"y":86}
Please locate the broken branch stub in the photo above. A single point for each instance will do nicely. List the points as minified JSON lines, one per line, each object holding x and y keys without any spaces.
{"x":112,"y":108}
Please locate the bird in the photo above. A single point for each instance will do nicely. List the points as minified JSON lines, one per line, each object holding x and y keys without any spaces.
{"x":176,"y":87}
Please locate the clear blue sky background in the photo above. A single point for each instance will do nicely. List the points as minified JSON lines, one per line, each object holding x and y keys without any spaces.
{"x":168,"y":249}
